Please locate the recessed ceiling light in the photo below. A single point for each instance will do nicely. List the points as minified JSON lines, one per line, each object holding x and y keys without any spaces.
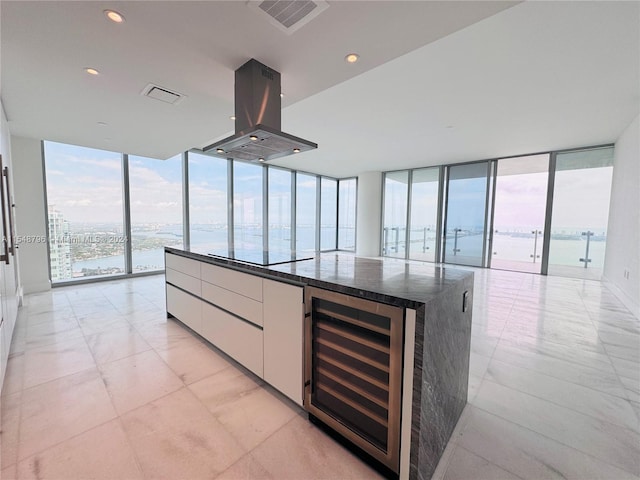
{"x":261,"y":159}
{"x":219,"y":150}
{"x":296,"y":150}
{"x":114,"y":16}
{"x":352,"y":58}
{"x":91,"y":71}
{"x":232,"y":117}
{"x":282,"y":95}
{"x":253,"y":137}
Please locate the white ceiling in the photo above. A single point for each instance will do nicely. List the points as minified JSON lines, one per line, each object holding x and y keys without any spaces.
{"x":438,"y":82}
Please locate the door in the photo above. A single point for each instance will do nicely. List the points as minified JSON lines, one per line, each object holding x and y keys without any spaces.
{"x":519,"y":213}
{"x":581,"y":194}
{"x":466,"y":214}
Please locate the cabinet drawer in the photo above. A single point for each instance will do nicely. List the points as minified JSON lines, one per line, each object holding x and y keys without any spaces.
{"x":182,"y":264}
{"x":185,"y":307}
{"x":183,"y":281}
{"x":244,"y":307}
{"x":242,"y":283}
{"x":238,"y":339}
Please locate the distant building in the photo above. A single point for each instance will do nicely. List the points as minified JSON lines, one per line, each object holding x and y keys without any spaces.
{"x":59,"y":246}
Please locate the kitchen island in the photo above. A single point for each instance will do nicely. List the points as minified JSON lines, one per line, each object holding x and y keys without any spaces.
{"x":270,"y":318}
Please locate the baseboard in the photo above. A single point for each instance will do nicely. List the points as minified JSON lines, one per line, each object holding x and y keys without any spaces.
{"x":626,"y":300}
{"x":36,"y":287}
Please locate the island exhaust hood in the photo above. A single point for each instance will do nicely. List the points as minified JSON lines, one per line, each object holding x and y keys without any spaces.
{"x":258,"y":136}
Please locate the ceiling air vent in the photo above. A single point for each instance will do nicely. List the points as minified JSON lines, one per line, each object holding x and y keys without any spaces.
{"x":162,"y":94}
{"x":289,"y":15}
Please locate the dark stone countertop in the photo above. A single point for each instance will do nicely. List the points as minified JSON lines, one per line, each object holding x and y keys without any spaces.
{"x":392,"y":281}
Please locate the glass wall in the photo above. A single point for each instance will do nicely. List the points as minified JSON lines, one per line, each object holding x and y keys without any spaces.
{"x":279,"y":209}
{"x":155,"y":189}
{"x":347,"y":198}
{"x":582,"y":189}
{"x":247,"y":205}
{"x":208,"y":202}
{"x":396,"y":190}
{"x":85,"y":214}
{"x":423,"y":233}
{"x":519,"y":213}
{"x":306,"y":191}
{"x":466,"y":214}
{"x":328,"y":213}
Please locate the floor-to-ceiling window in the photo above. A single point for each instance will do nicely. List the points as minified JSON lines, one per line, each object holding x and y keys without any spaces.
{"x":541,"y":213}
{"x":85,"y":213}
{"x":396,"y":189}
{"x":155,"y":192}
{"x":466,"y":214}
{"x":248,"y":195}
{"x":208,"y":202}
{"x":581,"y":193}
{"x":328,"y":213}
{"x":279,"y":196}
{"x":519,"y":213}
{"x":306,"y":210}
{"x":347,"y":198}
{"x":113,"y":213}
{"x":423,"y":233}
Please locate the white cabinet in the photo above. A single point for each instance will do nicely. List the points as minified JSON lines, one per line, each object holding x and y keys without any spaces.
{"x":237,"y":338}
{"x":241,"y":283}
{"x":185,"y":307}
{"x":283,"y":317}
{"x":256,"y":321}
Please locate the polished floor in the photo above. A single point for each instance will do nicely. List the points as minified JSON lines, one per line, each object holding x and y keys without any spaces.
{"x":101,"y":385}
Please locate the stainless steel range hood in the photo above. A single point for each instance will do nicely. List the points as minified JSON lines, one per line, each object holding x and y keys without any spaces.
{"x":258,"y":118}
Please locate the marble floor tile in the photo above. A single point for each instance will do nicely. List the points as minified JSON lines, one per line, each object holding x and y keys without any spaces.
{"x":554,"y":386}
{"x":176,"y":437}
{"x":465,"y":465}
{"x":191,"y":360}
{"x":220,"y":391}
{"x":10,"y":410}
{"x":98,"y":322}
{"x":56,"y":360}
{"x":138,"y":379}
{"x":632,"y":388}
{"x":247,"y":468}
{"x":57,"y":410}
{"x":14,"y":375}
{"x":163,"y":335}
{"x":576,"y":397}
{"x":527,"y":454}
{"x":626,"y":368}
{"x":256,"y":416}
{"x":606,"y":441}
{"x":110,"y":345}
{"x":100,"y":453}
{"x":622,"y":351}
{"x":607,"y":382}
{"x":300,"y":450}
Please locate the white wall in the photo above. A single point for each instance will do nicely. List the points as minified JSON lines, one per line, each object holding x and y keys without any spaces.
{"x":368,"y":215}
{"x":31,"y":222}
{"x":623,"y":236}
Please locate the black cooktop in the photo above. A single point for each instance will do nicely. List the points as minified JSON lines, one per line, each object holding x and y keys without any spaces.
{"x":261,"y":257}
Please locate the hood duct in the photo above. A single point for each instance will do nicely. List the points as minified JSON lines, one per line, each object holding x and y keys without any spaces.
{"x":258,"y":119}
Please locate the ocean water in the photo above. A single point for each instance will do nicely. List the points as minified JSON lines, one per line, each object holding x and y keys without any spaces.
{"x":563,"y":251}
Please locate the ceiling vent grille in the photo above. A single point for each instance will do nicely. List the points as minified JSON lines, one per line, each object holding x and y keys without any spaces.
{"x":163,"y":94}
{"x":288,"y":15}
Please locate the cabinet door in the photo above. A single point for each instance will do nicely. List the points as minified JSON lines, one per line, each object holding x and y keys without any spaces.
{"x":283,"y":312}
{"x":185,"y":307}
{"x":238,"y":338}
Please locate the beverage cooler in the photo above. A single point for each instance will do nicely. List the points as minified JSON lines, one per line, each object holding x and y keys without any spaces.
{"x":353,"y":370}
